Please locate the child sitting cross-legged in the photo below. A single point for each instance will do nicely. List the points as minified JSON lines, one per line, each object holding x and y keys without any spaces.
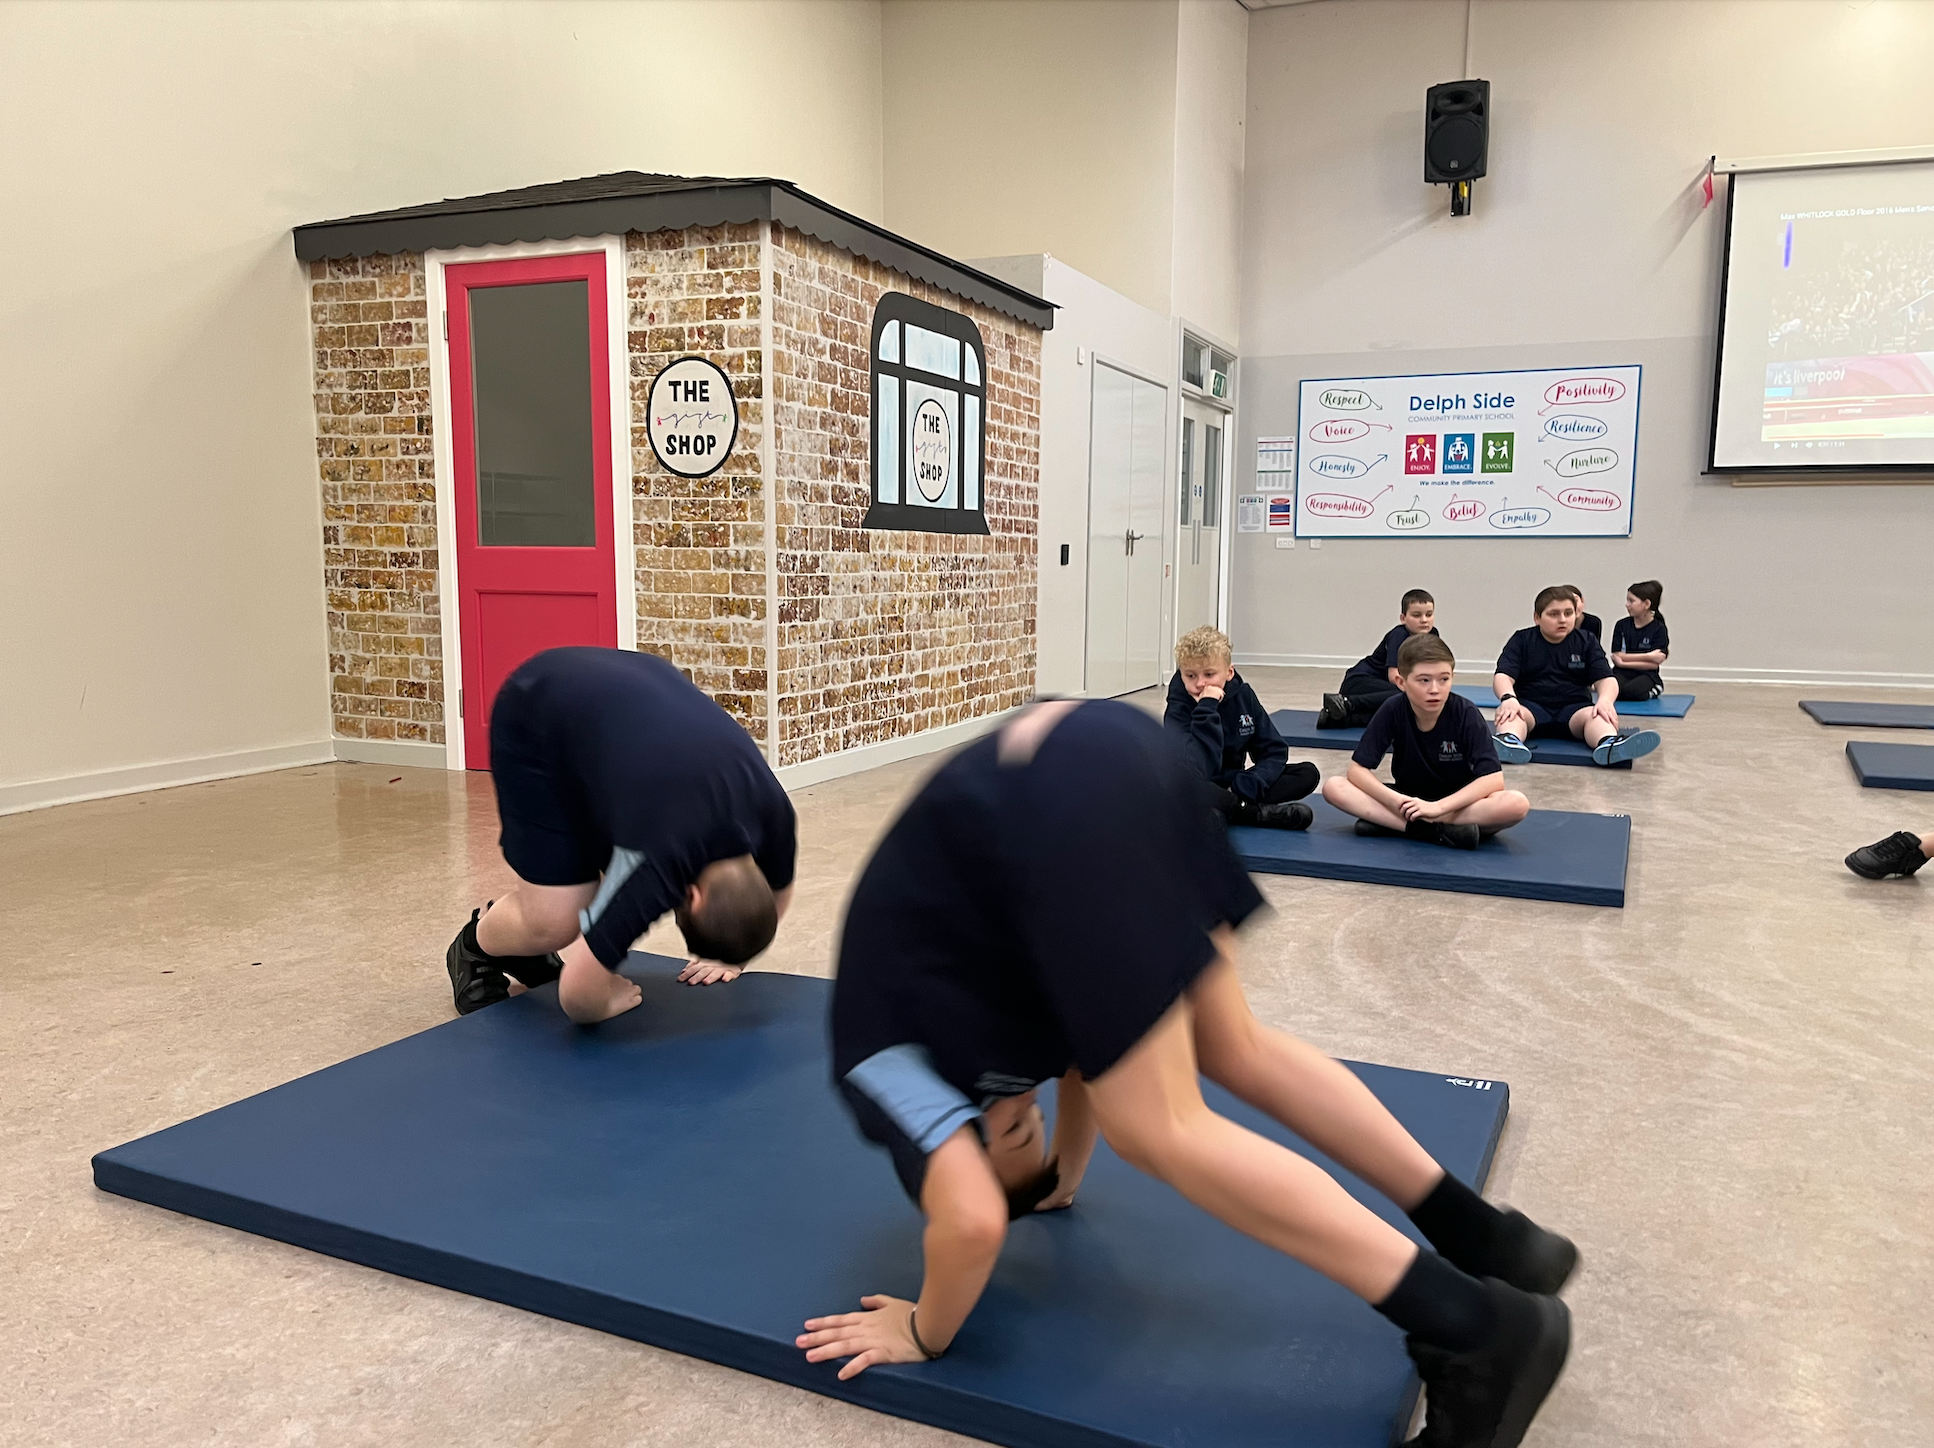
{"x":1230,"y":741}
{"x":1449,"y":785}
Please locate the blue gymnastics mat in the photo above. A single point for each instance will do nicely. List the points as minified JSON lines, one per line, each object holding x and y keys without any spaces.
{"x":1552,"y":854}
{"x":1859,"y":715}
{"x":1298,"y":728}
{"x":1892,"y":766}
{"x":686,"y":1176}
{"x":1666,"y":706}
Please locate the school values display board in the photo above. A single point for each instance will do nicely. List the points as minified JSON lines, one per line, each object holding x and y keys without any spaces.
{"x":1540,"y":454}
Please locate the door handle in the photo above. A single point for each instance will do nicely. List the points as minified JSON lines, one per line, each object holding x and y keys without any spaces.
{"x":1130,"y":539}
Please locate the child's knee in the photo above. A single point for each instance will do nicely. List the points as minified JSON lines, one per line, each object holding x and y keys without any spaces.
{"x":1513,"y":804}
{"x":1336,"y":789}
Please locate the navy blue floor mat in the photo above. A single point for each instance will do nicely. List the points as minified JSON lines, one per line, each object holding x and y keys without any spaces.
{"x":1857,"y":715}
{"x":1299,"y":731}
{"x":685,"y":1176}
{"x":1578,"y":859}
{"x":1666,"y":706}
{"x":1892,"y":766}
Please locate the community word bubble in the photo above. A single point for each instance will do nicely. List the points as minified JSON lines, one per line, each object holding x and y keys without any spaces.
{"x":1591,"y":500}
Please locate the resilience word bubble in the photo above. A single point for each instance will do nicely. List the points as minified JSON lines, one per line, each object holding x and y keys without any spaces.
{"x":1463,"y":510}
{"x":1577,"y":463}
{"x":1339,"y":429}
{"x":1591,"y":500}
{"x":1409,"y":518}
{"x":1572,"y":427}
{"x":1584,"y":389}
{"x":1517,"y":518}
{"x":1344,"y":399}
{"x":1336,"y":505}
{"x":1336,"y":465}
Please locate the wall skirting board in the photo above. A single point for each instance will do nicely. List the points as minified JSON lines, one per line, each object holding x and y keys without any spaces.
{"x":1480,"y":670}
{"x":890,"y":751}
{"x":168,"y":774}
{"x":409,"y":753}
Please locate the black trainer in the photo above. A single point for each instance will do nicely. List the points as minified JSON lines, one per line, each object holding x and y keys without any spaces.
{"x":1293,"y":815}
{"x":1369,"y":829}
{"x":1335,"y":713}
{"x":1487,"y":1397}
{"x":1436,"y":832}
{"x":475,"y":980}
{"x":1898,"y":854}
{"x":1523,"y":1254}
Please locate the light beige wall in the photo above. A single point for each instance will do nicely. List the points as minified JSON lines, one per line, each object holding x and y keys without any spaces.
{"x":160,"y":562}
{"x":1211,"y":90}
{"x":1586,"y":245}
{"x":1036,"y":125}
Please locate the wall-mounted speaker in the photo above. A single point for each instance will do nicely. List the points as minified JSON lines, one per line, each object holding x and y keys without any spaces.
{"x":1457,"y":130}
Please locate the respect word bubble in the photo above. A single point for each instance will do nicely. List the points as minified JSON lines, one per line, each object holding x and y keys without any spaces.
{"x":1339,"y":429}
{"x":1344,"y":399}
{"x":1591,"y":500}
{"x":1409,"y":518}
{"x":1521,"y":518}
{"x":1570,"y":427}
{"x":1335,"y":465}
{"x":1584,"y":389}
{"x":1586,"y":460}
{"x":1336,"y":505}
{"x":1463,"y":510}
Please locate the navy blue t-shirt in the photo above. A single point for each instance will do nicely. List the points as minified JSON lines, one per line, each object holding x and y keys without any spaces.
{"x":1378,"y":663}
{"x":1432,"y":764}
{"x":1629,"y":638}
{"x":623,"y":754}
{"x":1020,"y":918}
{"x":1224,"y":736}
{"x":1592,"y":624}
{"x":1554,"y":676}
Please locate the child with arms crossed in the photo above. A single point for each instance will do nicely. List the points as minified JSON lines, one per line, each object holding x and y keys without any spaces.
{"x":1640,"y":643}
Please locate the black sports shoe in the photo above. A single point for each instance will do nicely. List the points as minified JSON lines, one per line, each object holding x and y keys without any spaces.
{"x":1898,"y":854}
{"x":1487,"y":1397}
{"x":1335,"y":713}
{"x":1523,"y":1254}
{"x":1291,"y":816}
{"x":1369,"y":829}
{"x":475,"y":980}
{"x":1436,"y":832}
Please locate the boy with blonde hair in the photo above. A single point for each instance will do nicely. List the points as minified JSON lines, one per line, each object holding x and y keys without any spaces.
{"x":1230,"y":740}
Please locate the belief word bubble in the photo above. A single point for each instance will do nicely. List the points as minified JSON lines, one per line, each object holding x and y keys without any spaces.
{"x":1463,"y":510}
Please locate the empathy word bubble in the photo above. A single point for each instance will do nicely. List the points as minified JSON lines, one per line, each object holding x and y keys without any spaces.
{"x":1336,"y":505}
{"x":1339,"y":429}
{"x":1586,"y":460}
{"x":1344,"y":399}
{"x":1570,"y":427}
{"x":1590,"y":500}
{"x":1585,"y":389}
{"x":1409,"y":518}
{"x":1335,"y":465}
{"x":1521,"y":518}
{"x":1463,"y":510}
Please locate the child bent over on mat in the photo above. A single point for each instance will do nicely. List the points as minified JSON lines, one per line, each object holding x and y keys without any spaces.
{"x":1055,"y":904}
{"x":1449,"y":784}
{"x":1372,"y":680}
{"x":624,"y":792}
{"x":1640,"y":643}
{"x":1553,"y":680}
{"x":1225,"y":727}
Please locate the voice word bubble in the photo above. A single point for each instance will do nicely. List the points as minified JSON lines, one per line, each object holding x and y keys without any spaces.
{"x":1521,"y":518}
{"x":1343,"y":399}
{"x":1335,"y":465}
{"x":1339,"y":429}
{"x":1570,"y":427}
{"x":1463,"y":510}
{"x":1585,"y":389}
{"x":1590,"y":500}
{"x":1336,"y":505}
{"x":1409,"y":518}
{"x":1586,"y":460}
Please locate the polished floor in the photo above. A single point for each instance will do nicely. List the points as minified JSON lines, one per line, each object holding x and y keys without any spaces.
{"x":1724,"y":1091}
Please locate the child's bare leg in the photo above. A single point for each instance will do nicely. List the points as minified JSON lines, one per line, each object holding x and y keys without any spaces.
{"x":1494,"y":812}
{"x":532,"y":919}
{"x":1351,"y":800}
{"x":1590,"y":727}
{"x":1513,"y":718}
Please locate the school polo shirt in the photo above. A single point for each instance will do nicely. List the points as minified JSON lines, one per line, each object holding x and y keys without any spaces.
{"x":1629,"y":638}
{"x":640,"y":762}
{"x":1554,"y":676}
{"x":1434,"y":764}
{"x":1021,"y":918}
{"x":1378,"y":663}
{"x":1225,"y":735}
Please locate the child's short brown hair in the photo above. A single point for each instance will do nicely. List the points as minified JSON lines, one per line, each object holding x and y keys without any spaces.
{"x":1422,"y":649}
{"x":1549,"y":596}
{"x":1207,"y":643}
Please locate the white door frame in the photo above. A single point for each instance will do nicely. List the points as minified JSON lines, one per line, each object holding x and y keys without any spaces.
{"x":1184,"y":329}
{"x":1170,"y":412}
{"x":444,"y":459}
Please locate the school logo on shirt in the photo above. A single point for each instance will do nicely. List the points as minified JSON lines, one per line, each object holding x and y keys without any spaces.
{"x":1448,"y":752}
{"x":1248,"y":725}
{"x":1460,"y":452}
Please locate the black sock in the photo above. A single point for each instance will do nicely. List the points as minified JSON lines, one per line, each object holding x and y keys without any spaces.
{"x":470,"y":935}
{"x":1458,"y":1222}
{"x":1440,"y":1305}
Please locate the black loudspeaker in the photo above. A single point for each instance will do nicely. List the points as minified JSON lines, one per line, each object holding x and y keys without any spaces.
{"x":1457,"y":130}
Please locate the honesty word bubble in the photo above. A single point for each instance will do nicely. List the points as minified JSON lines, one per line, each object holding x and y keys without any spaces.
{"x":1335,"y":465}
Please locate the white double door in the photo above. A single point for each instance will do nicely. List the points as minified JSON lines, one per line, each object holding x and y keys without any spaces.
{"x":1198,"y":546}
{"x":1127,"y":537}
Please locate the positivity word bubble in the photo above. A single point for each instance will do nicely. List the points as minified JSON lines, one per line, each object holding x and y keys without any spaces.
{"x":1574,"y":427}
{"x":1591,"y":500}
{"x":1336,"y":465}
{"x":1584,"y":460}
{"x":1516,"y":518}
{"x":1584,"y":389}
{"x":1336,"y":505}
{"x":1339,"y":429}
{"x":1409,"y":518}
{"x":1463,"y":510}
{"x":1344,"y":399}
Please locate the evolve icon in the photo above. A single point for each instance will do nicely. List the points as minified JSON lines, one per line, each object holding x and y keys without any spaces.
{"x":1498,"y":450}
{"x":1420,"y":452}
{"x":1460,"y":452}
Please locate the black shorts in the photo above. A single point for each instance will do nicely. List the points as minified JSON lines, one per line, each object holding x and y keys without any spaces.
{"x":898,"y":1102}
{"x":1549,"y":722}
{"x":545,"y":837}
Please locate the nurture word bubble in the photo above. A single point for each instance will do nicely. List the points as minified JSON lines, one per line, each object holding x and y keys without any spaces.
{"x":1409,"y":518}
{"x":1585,"y":389}
{"x":1335,"y":465}
{"x":1336,"y":505}
{"x":1339,"y":429}
{"x":1344,"y":399}
{"x":1572,"y":428}
{"x":1521,"y":518}
{"x":1463,"y":510}
{"x":1585,"y":460}
{"x":1590,"y":500}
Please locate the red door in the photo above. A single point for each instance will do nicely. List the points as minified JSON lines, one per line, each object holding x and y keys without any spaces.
{"x":530,"y":401}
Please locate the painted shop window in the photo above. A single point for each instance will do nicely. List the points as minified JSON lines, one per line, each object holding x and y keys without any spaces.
{"x":929,"y":419}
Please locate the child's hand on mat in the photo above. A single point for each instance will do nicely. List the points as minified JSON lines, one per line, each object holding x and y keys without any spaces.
{"x":1061,"y":1198}
{"x":881,"y":1334}
{"x":708,"y":972}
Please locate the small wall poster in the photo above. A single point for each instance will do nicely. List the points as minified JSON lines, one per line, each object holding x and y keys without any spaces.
{"x":692,"y":417}
{"x":1249,"y":513}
